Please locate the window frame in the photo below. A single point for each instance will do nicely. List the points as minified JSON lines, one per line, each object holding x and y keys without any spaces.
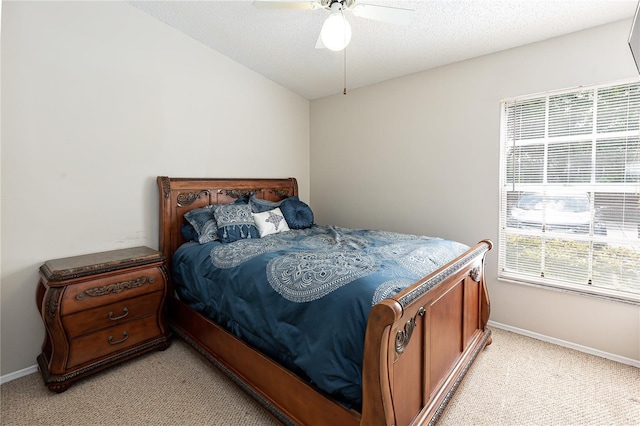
{"x":592,"y":187}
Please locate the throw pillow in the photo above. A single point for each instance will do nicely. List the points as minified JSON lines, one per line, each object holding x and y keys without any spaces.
{"x":270,"y":222}
{"x":235,"y":222}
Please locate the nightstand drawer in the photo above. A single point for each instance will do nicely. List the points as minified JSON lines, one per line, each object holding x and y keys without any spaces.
{"x":93,"y":346}
{"x":111,"y":289}
{"x":113,"y":314}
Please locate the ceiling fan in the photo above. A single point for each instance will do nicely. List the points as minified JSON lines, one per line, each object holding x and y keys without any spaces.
{"x":336,"y":31}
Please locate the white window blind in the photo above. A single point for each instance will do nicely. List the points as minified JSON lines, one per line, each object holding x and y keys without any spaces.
{"x":570,"y":190}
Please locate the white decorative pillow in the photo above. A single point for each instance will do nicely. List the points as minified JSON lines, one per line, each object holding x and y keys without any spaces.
{"x":270,"y":222}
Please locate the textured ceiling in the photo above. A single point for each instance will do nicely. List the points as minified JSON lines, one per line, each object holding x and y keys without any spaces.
{"x":280,"y":43}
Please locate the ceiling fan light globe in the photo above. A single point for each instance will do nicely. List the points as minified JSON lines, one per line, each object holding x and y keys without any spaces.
{"x":336,"y":32}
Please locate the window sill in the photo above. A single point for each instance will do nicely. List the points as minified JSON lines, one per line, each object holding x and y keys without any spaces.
{"x":630,"y":299}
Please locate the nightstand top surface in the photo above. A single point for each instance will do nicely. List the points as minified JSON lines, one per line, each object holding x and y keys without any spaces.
{"x":90,"y":264}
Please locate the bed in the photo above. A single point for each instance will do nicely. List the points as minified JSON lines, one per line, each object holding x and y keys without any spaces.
{"x":416,"y":345}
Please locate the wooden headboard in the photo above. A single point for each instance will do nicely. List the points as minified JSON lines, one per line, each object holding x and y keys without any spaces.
{"x":179,"y":195}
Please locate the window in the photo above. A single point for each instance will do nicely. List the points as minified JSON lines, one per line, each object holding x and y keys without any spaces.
{"x":570,"y":190}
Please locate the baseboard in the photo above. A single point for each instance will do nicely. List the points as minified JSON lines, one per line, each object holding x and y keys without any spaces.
{"x":17,"y":374}
{"x":564,"y":343}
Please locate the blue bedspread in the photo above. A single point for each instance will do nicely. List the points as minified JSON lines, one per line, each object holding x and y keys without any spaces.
{"x":303,"y":297}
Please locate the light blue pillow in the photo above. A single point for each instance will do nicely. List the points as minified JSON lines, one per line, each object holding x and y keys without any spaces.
{"x":204,"y":223}
{"x":235,"y":222}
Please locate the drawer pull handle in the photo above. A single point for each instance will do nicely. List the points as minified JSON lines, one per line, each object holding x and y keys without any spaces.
{"x":112,"y":318}
{"x":125,"y":337}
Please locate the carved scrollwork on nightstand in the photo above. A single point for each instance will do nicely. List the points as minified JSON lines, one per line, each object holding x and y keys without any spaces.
{"x":52,"y":301}
{"x":114,"y":288}
{"x":404,"y":336}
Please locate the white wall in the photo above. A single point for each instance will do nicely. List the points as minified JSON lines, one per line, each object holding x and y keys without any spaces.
{"x":99,"y":98}
{"x":420,"y":154}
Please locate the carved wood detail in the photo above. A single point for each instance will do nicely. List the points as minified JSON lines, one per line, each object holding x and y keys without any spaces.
{"x":238,"y":193}
{"x":245,"y":193}
{"x":188,"y":198}
{"x":166,"y":186}
{"x":476,"y":273}
{"x":281,"y":193}
{"x":52,"y":301}
{"x":114,"y":288}
{"x":403,"y":337}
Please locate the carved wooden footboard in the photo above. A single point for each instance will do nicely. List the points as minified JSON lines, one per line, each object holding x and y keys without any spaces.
{"x":418,"y":344}
{"x":423,"y":340}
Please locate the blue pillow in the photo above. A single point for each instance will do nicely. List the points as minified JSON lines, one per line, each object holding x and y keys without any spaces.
{"x":188,"y":233}
{"x":297,"y":214}
{"x":258,"y":205}
{"x":235,"y":222}
{"x":204,"y":223}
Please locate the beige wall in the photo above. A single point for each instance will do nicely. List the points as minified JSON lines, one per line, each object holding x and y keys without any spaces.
{"x":99,"y":98}
{"x":420,"y":154}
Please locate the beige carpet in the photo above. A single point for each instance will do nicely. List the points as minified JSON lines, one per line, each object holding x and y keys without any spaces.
{"x":515,"y":381}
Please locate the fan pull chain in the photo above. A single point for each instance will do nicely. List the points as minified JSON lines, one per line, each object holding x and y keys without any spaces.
{"x":344,"y":92}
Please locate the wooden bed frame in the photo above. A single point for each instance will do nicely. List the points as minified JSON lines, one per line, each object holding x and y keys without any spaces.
{"x":418,"y":344}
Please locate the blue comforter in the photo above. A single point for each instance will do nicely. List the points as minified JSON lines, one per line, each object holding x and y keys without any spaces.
{"x":303,"y":297}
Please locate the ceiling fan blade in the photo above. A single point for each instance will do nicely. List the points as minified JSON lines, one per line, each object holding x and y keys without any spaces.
{"x":285,"y":4}
{"x":394,"y":15}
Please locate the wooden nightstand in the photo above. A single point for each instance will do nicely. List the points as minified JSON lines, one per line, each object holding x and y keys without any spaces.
{"x":99,"y":310}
